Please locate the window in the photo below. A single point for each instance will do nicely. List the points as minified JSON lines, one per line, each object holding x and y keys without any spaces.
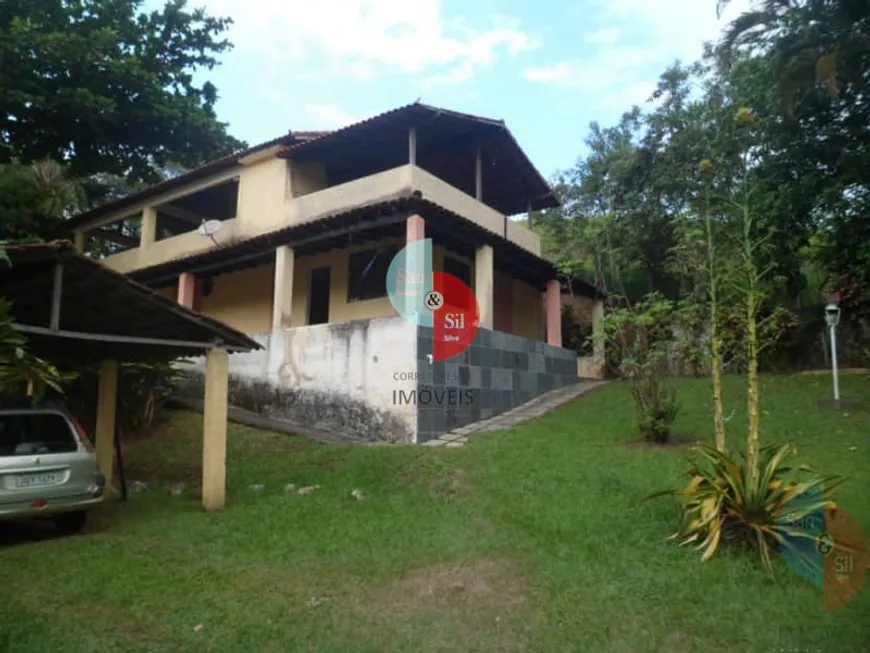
{"x":462,"y":271}
{"x":458,"y":269}
{"x":28,"y":434}
{"x":367,"y":273}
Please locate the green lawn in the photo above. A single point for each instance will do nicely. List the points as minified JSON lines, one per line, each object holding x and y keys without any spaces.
{"x":528,"y":540}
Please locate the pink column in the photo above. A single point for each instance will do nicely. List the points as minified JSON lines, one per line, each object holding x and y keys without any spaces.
{"x":415,"y":229}
{"x":414,"y":289}
{"x":553,"y":305}
{"x":186,"y":289}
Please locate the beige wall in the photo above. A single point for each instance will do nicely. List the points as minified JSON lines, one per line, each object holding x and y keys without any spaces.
{"x":307,"y":178}
{"x":339,"y":308}
{"x":528,"y":310}
{"x":243,"y":299}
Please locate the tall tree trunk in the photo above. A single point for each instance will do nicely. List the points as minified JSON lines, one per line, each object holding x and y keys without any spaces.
{"x":752,"y":436}
{"x":752,"y":304}
{"x":715,"y":341}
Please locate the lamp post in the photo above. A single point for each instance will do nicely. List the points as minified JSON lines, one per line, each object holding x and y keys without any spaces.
{"x":832,"y":318}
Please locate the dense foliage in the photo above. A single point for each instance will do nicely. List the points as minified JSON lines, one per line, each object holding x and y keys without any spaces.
{"x":801,"y":69}
{"x":107,"y":87}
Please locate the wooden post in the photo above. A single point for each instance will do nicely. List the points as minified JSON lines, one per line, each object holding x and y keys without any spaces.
{"x":214,"y":429}
{"x":412,"y":147}
{"x":81,"y":241}
{"x":107,"y":404}
{"x":478,"y":175}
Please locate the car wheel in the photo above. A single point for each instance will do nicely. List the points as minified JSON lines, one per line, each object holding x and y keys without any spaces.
{"x":70,"y":523}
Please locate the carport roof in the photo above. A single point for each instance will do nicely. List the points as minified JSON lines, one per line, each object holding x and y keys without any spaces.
{"x":77,"y":311}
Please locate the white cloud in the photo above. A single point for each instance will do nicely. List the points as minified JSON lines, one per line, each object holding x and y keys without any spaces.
{"x":364,"y":38}
{"x":461,"y":73}
{"x":328,"y":116}
{"x":606,"y":36}
{"x":627,"y":60}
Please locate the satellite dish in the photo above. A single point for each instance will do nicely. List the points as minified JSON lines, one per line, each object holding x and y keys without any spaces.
{"x":209,"y":227}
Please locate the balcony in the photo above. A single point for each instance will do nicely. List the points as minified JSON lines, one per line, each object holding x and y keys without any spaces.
{"x":268,"y":200}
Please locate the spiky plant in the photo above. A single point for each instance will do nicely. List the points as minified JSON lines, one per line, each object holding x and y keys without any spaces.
{"x":724,"y":503}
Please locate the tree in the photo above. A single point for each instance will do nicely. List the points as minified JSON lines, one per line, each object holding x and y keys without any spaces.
{"x":35,"y":198}
{"x":107,"y":88}
{"x":817,"y":56}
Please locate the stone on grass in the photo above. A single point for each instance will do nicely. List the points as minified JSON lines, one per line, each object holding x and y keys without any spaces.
{"x":176,"y":489}
{"x":290,"y":487}
{"x":256,"y":487}
{"x":308,"y":489}
{"x":138,"y":486}
{"x":358,"y":495}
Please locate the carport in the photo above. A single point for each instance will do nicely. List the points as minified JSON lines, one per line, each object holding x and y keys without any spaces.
{"x":76,"y":312}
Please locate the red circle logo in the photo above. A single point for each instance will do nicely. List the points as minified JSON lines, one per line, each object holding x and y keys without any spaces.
{"x":455,"y":316}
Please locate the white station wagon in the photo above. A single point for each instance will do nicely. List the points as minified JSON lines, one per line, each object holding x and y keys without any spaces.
{"x":48,"y":466}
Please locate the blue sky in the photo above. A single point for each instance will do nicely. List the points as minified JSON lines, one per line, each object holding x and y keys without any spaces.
{"x":547,"y":68}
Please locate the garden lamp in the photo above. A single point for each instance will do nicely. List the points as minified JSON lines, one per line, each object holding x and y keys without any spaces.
{"x":832,"y":315}
{"x":832,"y":318}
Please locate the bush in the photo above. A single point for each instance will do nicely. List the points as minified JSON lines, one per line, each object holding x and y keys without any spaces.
{"x":641,"y":338}
{"x":143,"y":389}
{"x":724,"y":504}
{"x":576,"y":334}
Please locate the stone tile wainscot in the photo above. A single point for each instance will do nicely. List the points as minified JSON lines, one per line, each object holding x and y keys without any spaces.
{"x":501,"y":371}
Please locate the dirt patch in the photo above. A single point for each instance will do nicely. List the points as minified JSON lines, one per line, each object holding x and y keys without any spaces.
{"x":443,"y":478}
{"x":481,"y":584}
{"x":675,"y":442}
{"x":477,"y":603}
{"x":133,"y":632}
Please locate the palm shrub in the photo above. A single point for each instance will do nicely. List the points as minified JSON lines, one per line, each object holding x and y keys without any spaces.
{"x":724,"y":503}
{"x":20,"y":371}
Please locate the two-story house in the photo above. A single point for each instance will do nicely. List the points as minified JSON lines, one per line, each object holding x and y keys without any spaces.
{"x":290,"y":241}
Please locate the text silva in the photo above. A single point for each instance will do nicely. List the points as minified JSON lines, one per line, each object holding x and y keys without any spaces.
{"x":444,"y":397}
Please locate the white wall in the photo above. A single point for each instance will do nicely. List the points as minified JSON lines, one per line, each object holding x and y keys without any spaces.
{"x":363,"y":360}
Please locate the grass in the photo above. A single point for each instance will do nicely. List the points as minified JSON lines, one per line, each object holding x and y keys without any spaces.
{"x":533,"y":539}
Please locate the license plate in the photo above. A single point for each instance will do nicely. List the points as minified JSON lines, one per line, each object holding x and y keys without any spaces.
{"x":37,"y":480}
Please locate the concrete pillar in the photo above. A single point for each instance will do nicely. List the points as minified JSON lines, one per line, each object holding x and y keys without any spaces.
{"x":81,"y":241}
{"x":107,"y":404}
{"x":148,"y":228}
{"x":214,"y":429}
{"x":282,"y":295}
{"x":553,"y":304}
{"x":415,"y":228}
{"x":484,"y":285}
{"x":415,"y":266}
{"x":186,"y":289}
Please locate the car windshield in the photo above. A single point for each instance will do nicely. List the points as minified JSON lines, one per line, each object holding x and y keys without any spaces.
{"x":31,"y":433}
